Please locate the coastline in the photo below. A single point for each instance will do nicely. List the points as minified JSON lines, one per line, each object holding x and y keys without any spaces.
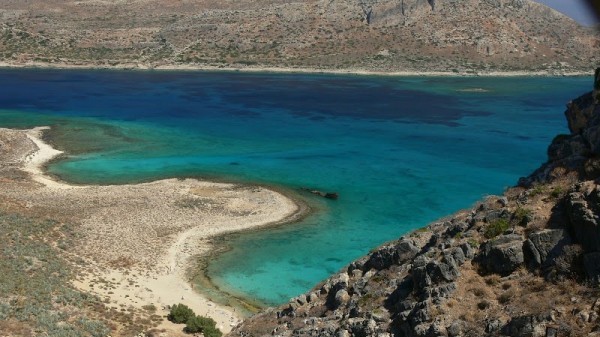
{"x":155,"y":272}
{"x":287,"y":70}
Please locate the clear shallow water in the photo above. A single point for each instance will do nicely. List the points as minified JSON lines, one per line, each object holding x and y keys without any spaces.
{"x":401,"y":152}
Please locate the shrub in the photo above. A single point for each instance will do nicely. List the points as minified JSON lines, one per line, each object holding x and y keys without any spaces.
{"x":212,"y":332}
{"x":537,"y":190}
{"x":522,"y":216}
{"x":180,"y":313}
{"x":149,"y":307}
{"x":506,"y":297}
{"x":496,"y":228}
{"x":483,"y":305}
{"x":556,"y":192}
{"x":202,"y":324}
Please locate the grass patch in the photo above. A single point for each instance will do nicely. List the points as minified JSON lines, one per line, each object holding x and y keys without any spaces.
{"x":522,"y":216}
{"x":537,"y":190}
{"x":557,"y":192}
{"x":496,"y":228}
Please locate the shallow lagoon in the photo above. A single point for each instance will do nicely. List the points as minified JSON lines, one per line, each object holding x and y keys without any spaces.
{"x":401,"y":152}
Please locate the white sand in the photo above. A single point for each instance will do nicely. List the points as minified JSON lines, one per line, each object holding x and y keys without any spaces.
{"x":138,"y":239}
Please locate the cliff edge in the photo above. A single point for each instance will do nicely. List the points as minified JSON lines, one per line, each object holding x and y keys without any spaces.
{"x":524,"y":264}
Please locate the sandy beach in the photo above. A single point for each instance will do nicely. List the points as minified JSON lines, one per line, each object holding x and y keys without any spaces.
{"x":136,"y":241}
{"x":288,"y":70}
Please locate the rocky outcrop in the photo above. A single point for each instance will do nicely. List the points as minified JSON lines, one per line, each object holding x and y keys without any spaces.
{"x":516,"y":265}
{"x":580,"y":150}
{"x":543,"y":247}
{"x":502,"y":255}
{"x":583,"y":209}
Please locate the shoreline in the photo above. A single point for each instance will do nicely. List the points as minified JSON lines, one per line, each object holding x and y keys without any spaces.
{"x":220,"y":243}
{"x":168,"y":280}
{"x":288,"y":70}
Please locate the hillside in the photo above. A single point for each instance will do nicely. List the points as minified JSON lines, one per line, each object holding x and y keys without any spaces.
{"x":377,"y":35}
{"x":523,"y":264}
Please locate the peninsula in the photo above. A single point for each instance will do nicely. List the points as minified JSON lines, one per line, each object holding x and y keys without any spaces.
{"x":134,"y":243}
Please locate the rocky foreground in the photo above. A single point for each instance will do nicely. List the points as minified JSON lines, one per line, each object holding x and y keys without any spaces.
{"x":523,"y":264}
{"x":466,"y":36}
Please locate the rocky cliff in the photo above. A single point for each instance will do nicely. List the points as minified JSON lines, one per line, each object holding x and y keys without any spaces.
{"x":382,"y":35}
{"x":526,"y":263}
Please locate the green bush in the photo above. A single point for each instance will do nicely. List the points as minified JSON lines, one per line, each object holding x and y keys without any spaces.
{"x":496,"y":228}
{"x":556,"y":192}
{"x":210,"y":331}
{"x":180,"y":313}
{"x":202,"y":324}
{"x":523,"y":216}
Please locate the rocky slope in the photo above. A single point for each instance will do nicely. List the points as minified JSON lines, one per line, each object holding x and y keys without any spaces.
{"x":380,"y":35}
{"x":523,"y":264}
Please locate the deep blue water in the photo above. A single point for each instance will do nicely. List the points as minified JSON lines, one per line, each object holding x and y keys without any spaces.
{"x":400,"y":151}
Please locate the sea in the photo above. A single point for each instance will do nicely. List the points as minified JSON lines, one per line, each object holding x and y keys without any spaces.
{"x":400,"y":152}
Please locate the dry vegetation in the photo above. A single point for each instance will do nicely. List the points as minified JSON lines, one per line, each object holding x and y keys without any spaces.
{"x":462,"y":36}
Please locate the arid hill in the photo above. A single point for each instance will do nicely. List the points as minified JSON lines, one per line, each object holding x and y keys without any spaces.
{"x":378,"y":35}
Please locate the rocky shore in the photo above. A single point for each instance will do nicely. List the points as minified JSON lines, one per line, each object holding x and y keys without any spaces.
{"x":524,"y":264}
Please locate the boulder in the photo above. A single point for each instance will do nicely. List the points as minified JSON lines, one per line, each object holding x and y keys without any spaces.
{"x":502,"y":255}
{"x":492,"y":325}
{"x":468,"y":250}
{"x":429,"y":273}
{"x":541,"y":248}
{"x":341,"y":297}
{"x":526,"y":326}
{"x":399,"y":253}
{"x":455,"y":329}
{"x":583,"y":211}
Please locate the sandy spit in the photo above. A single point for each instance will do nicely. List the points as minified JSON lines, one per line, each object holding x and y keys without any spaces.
{"x":137,"y":240}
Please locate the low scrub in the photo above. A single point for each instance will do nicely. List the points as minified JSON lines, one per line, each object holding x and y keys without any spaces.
{"x":180,"y":313}
{"x":36,"y":298}
{"x":496,"y":228}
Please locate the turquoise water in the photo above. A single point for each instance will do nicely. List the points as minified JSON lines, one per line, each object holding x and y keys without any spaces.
{"x":400,"y":151}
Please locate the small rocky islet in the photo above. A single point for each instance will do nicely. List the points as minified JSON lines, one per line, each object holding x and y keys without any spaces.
{"x":523,"y":264}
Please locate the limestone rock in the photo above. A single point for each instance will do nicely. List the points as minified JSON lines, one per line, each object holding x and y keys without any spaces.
{"x":399,"y":253}
{"x":583,"y":210}
{"x":544,"y":246}
{"x":502,"y":255}
{"x":525,"y":326}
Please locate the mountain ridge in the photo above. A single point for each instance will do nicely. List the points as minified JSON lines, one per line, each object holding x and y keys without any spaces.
{"x":375,"y":35}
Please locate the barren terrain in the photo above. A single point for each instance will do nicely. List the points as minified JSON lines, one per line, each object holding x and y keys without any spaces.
{"x":467,"y":37}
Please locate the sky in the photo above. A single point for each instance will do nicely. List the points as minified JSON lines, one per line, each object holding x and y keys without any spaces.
{"x":577,"y":9}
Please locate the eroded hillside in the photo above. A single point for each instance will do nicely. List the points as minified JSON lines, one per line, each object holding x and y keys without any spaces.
{"x":380,"y":35}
